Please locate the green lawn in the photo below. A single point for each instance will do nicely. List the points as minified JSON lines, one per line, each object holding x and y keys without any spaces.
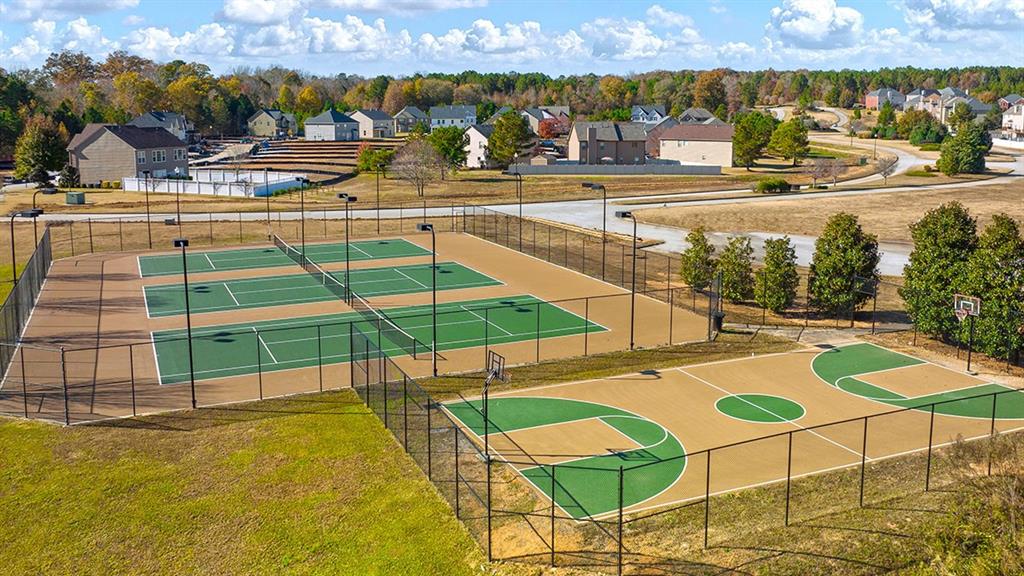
{"x":308,"y":485}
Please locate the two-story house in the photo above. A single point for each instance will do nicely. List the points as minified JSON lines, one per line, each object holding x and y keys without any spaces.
{"x":331,"y":125}
{"x":875,"y":99}
{"x":607,"y":143}
{"x":173,"y":122}
{"x":476,"y":149}
{"x":270,"y":123}
{"x":651,"y":114}
{"x":1013,"y":122}
{"x":407,"y":118}
{"x":705,"y":144}
{"x":374,"y":123}
{"x":462,"y":116}
{"x":104,"y":152}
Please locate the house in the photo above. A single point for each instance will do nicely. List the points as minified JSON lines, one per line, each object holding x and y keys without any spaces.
{"x":976,"y":106}
{"x":877,"y":98}
{"x":498,"y":114}
{"x":476,"y":149}
{"x":173,"y":122}
{"x":462,"y":116}
{"x":941,"y":103}
{"x":1008,"y":101}
{"x":695,"y":116}
{"x":407,"y":118}
{"x":706,"y":144}
{"x":654,"y":132}
{"x":650,"y":114}
{"x":271,"y":123}
{"x":1013,"y":122}
{"x":374,"y":123}
{"x":106,"y":152}
{"x":951,"y":92}
{"x":914,"y":98}
{"x":331,"y":125}
{"x":607,"y":143}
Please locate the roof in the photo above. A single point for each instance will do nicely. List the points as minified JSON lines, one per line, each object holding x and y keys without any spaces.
{"x":494,"y":117}
{"x":1011,"y":98}
{"x":413,"y":112}
{"x":273,"y":113}
{"x":537,"y":113}
{"x":611,"y":131}
{"x":975,"y":104}
{"x":949,"y":92}
{"x":161,"y":116}
{"x":921,"y":92}
{"x":137,"y":137}
{"x":457,"y":112}
{"x":485,"y":129}
{"x":699,"y":132}
{"x":373,"y":114}
{"x":887,"y":92}
{"x":555,"y":110}
{"x":698,"y":114}
{"x":650,"y":109}
{"x":329,"y":117}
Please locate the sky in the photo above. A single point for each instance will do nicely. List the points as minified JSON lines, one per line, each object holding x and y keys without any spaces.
{"x":402,"y":37}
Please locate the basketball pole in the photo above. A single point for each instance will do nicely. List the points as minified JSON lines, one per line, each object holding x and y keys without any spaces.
{"x":970,"y":344}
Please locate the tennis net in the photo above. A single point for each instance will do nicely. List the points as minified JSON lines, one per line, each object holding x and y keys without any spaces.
{"x":385,"y":325}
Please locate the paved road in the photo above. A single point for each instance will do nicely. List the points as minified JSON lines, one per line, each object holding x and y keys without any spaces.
{"x":842,"y":124}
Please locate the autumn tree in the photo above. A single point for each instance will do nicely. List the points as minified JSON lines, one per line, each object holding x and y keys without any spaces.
{"x":308,"y":102}
{"x":187,"y":95}
{"x":285,"y":98}
{"x":135,"y":93}
{"x":395,"y":97}
{"x":42,"y":145}
{"x":548,"y":128}
{"x":709,"y":90}
{"x":417,"y":163}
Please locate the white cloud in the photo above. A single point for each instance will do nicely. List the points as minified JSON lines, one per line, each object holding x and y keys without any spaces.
{"x":624,"y":39}
{"x":133,"y":20}
{"x":735,"y":51}
{"x":960,"y":20}
{"x":278,"y":40}
{"x":658,"y":16}
{"x":353,"y":36}
{"x":262,"y":11}
{"x":21,"y":10}
{"x":815,"y":24}
{"x":514,"y":42}
{"x":716,"y":7}
{"x":404,"y":6}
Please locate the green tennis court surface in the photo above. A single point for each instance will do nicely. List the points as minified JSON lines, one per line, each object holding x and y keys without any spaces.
{"x":169,"y":299}
{"x":841,"y":366}
{"x":586,"y":486}
{"x":236,"y":349}
{"x":270,"y":257}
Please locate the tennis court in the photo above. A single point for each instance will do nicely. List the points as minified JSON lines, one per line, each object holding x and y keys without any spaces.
{"x":250,"y":258}
{"x":169,"y":299}
{"x":248,"y":348}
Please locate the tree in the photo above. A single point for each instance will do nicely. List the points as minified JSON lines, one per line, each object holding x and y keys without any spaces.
{"x":775,"y":287}
{"x":42,"y":145}
{"x":417,"y":163}
{"x":698,"y":260}
{"x":450,"y":143}
{"x":920,"y":127}
{"x":709,"y":90}
{"x":69,"y":67}
{"x":285,"y":98}
{"x":68,"y":177}
{"x":548,"y":128}
{"x":995,"y":273}
{"x":964,"y":153}
{"x":962,"y":114}
{"x":135,"y":93}
{"x":511,"y":133}
{"x":820,"y":169}
{"x":886,"y":114}
{"x":370,"y":158}
{"x":750,"y":139}
{"x":737,"y":273}
{"x":187,"y":95}
{"x":836,"y":168}
{"x":844,"y":258}
{"x":789,"y":140}
{"x":944,"y":239}
{"x":308,"y":102}
{"x":394,"y":97}
{"x":886,"y":167}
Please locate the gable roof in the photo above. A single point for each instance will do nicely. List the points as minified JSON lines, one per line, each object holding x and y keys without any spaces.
{"x":649,"y":109}
{"x":494,"y":117}
{"x":695,"y":114}
{"x":1011,"y":99}
{"x":556,"y":110}
{"x":373,"y":114}
{"x":950,"y":92}
{"x":139,"y":138}
{"x":412,"y":112}
{"x":611,"y":131}
{"x":699,"y":132}
{"x":886,"y":92}
{"x":274,"y":113}
{"x":537,"y":113}
{"x":484,"y":129}
{"x":160,"y":117}
{"x":331,"y":116}
{"x":456,"y":112}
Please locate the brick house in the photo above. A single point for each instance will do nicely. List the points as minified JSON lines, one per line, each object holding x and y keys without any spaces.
{"x":607,"y":143}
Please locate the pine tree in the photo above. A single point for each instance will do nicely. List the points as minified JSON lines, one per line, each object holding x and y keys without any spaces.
{"x":737,"y":272}
{"x":789,"y":140}
{"x":964,"y":153}
{"x":751,"y":138}
{"x":776,"y":285}
{"x":844,"y":258}
{"x":698,"y":260}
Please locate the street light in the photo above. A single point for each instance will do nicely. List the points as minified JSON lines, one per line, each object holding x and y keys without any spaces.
{"x":626,"y":215}
{"x":519,"y":195}
{"x":424,"y":227}
{"x":604,"y":220}
{"x":183,"y":244}
{"x":347,"y":199}
{"x":35,"y":227}
{"x":33,"y":214}
{"x":302,"y":217}
{"x":177,"y":195}
{"x":149,"y":227}
{"x":874,"y":153}
{"x":266,"y":190}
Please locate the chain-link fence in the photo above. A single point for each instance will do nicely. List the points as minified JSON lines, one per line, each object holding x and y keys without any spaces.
{"x":17,"y":308}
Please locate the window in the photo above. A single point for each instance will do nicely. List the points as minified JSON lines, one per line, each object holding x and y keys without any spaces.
{"x":140,"y":157}
{"x":179,"y":153}
{"x":159,"y":155}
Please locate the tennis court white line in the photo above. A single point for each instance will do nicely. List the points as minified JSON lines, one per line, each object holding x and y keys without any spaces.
{"x":785,"y":420}
{"x":485,"y":320}
{"x":212,"y":265}
{"x":407,"y":277}
{"x":364,"y":252}
{"x":265,"y":347}
{"x":228,"y":288}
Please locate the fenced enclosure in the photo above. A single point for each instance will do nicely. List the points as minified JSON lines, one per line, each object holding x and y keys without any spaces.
{"x":17,"y":308}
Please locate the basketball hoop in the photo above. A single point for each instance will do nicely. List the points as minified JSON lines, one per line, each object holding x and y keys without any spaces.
{"x":961,"y":314}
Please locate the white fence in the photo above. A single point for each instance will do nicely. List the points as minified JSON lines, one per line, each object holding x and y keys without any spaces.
{"x":234,"y":183}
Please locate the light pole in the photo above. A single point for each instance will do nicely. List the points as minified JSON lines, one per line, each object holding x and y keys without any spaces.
{"x":266,"y":190}
{"x":519,"y":196}
{"x":347,"y":199}
{"x":149,"y":227}
{"x":302,"y":217}
{"x":379,"y":166}
{"x":604,"y":220}
{"x":183,"y":244}
{"x":632,"y":284}
{"x":35,"y":226}
{"x":874,"y":153}
{"x":424,"y":227}
{"x":33,"y":214}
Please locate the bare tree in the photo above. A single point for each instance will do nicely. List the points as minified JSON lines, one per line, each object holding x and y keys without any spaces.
{"x":819,"y":170}
{"x":886,"y":167}
{"x":836,"y":168}
{"x":417,"y":163}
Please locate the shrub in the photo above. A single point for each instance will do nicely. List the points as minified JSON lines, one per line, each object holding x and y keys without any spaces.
{"x":931,"y":147}
{"x":772,"y":186}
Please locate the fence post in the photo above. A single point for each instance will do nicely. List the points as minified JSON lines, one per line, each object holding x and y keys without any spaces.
{"x":384,"y":381}
{"x":992,"y":433}
{"x":455,"y":429}
{"x":352,"y":364}
{"x":259,"y":363}
{"x":707,"y":498}
{"x":210,"y":214}
{"x":490,"y":556}
{"x":240,"y":227}
{"x":538,"y":332}
{"x":620,"y":519}
{"x":487,"y":325}
{"x":789,"y":474}
{"x":64,"y":384}
{"x":586,"y":324}
{"x":928,"y":466}
{"x":553,"y":487}
{"x":430,"y":455}
{"x":131,"y":371}
{"x":120,"y":232}
{"x":671,"y":306}
{"x":319,"y":357}
{"x":24,"y":387}
{"x":863,"y":460}
{"x":565,"y":244}
{"x":89,"y":222}
{"x":405,"y":412}
{"x":71,"y":228}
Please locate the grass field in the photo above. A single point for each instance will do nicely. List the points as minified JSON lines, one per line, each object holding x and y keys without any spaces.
{"x":249,"y":258}
{"x":219,"y":296}
{"x":272,"y":345}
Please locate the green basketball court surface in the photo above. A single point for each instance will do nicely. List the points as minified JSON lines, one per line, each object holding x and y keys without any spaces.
{"x":169,"y":299}
{"x":249,"y":258}
{"x":246,"y":348}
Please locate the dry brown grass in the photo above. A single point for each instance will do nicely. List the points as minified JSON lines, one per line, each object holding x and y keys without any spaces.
{"x":886,"y":215}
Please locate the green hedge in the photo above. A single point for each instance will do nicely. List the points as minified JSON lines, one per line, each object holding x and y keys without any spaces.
{"x":772,"y":186}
